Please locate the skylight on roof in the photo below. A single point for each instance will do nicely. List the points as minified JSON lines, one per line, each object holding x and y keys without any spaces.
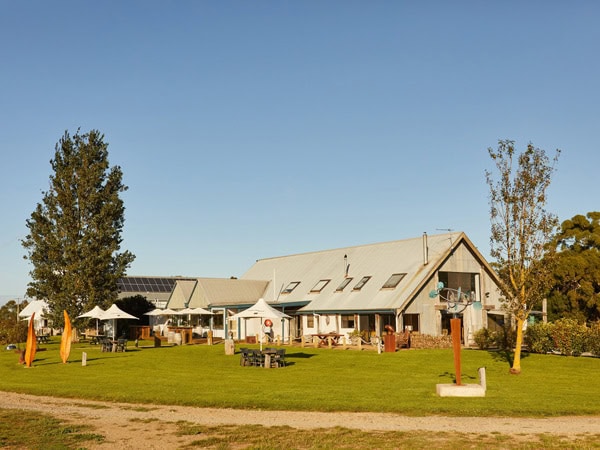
{"x":290,"y":287}
{"x":343,"y":284}
{"x":393,"y":281}
{"x":319,"y":286}
{"x":361,"y":283}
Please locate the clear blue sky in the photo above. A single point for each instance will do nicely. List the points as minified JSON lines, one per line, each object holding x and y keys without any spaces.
{"x":254,"y":129}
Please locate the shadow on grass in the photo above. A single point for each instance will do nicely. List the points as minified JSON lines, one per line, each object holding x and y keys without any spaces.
{"x":299,"y":355}
{"x":452,"y":376}
{"x":506,"y":355}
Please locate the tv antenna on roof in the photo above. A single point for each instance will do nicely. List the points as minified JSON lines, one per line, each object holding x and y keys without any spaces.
{"x":449,"y":230}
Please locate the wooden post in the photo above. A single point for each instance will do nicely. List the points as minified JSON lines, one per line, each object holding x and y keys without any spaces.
{"x":84,"y":359}
{"x":328,"y":341}
{"x":455,"y":330}
{"x":209,"y":339}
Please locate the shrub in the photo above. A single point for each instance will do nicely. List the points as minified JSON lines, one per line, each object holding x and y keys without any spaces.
{"x":505,"y":338}
{"x":593,"y":339}
{"x":484,"y":338}
{"x":569,"y":337}
{"x":538,"y":338}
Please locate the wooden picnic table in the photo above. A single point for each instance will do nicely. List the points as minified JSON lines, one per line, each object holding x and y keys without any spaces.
{"x":326,"y":338}
{"x":43,"y":338}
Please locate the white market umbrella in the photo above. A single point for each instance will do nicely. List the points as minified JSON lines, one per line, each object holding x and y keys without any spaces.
{"x":114,"y":313}
{"x":95,"y":313}
{"x":154,"y":312}
{"x":201,"y":312}
{"x":166,"y":312}
{"x":261,"y":310}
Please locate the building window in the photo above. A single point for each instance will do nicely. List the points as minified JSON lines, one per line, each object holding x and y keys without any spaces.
{"x":310,"y":321}
{"x":410,"y":322}
{"x":454,"y":280}
{"x":361,"y":283}
{"x":393,"y":281}
{"x":290,"y":287}
{"x":319,"y":286}
{"x":348,"y":321}
{"x":343,"y":284}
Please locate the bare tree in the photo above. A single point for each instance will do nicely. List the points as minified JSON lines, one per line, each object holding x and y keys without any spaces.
{"x":521,"y":229}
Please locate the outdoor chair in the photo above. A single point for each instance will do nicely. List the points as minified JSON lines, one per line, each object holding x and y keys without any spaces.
{"x":258,"y":359}
{"x":245,"y":357}
{"x":106,"y":345}
{"x":122,"y":345}
{"x":278,"y":359}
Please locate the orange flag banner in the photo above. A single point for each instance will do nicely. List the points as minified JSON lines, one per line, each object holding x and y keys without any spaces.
{"x":65,"y":340}
{"x":31,"y":345}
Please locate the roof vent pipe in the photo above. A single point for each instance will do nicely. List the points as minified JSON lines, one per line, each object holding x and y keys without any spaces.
{"x":425,"y":250}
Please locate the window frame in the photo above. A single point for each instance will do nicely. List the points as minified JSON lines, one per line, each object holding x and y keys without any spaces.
{"x":361,"y":284}
{"x":344,"y":284}
{"x":288,"y":289}
{"x":389,"y":284}
{"x":319,"y":286}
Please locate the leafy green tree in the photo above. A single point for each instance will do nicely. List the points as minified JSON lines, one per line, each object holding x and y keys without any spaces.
{"x":521,"y":228}
{"x":75,"y":232}
{"x":576,"y":289}
{"x":12,"y":329}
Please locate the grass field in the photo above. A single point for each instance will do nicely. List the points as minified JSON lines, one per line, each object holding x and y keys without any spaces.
{"x":315,"y":379}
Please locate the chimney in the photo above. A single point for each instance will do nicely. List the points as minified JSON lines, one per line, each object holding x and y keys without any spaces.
{"x":425,"y":250}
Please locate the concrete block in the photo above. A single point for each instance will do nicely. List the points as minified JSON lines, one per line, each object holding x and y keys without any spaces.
{"x":464,"y":390}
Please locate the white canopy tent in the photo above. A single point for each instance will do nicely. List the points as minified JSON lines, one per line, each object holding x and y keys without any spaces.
{"x":113,"y":314}
{"x":95,"y":313}
{"x":40,"y":308}
{"x":261,"y":310}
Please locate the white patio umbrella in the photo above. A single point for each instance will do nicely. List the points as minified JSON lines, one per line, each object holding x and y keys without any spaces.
{"x":94,"y":313}
{"x":114,"y":313}
{"x":166,"y":312}
{"x":154,"y":312}
{"x":201,"y":312}
{"x":261,"y":310}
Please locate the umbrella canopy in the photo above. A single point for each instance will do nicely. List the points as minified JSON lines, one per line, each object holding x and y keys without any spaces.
{"x":261,"y":310}
{"x":95,"y":313}
{"x":154,"y":312}
{"x":114,"y":313}
{"x":201,"y":312}
{"x":165,"y":312}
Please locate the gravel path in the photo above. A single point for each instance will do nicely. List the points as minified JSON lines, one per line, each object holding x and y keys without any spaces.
{"x":155,"y":424}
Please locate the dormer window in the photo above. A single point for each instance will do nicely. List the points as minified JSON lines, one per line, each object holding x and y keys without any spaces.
{"x":393,"y":281}
{"x":290,"y":287}
{"x":361,"y":283}
{"x":319,"y":286}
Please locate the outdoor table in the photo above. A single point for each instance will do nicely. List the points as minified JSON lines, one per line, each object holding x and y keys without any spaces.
{"x":43,"y":338}
{"x":324,"y":338}
{"x":95,"y":338}
{"x":268,"y":353}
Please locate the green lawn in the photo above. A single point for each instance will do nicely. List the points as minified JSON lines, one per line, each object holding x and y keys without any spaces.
{"x":315,"y":379}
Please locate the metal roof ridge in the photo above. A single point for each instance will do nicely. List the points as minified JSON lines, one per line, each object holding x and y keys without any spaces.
{"x":315,"y":252}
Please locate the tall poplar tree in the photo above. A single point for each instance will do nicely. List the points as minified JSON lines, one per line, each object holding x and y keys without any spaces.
{"x":521,"y":229}
{"x":75,"y":232}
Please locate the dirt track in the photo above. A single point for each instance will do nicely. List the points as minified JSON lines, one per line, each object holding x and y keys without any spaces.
{"x":114,"y":420}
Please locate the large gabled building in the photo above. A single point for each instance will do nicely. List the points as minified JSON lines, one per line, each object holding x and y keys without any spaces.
{"x":362,"y":287}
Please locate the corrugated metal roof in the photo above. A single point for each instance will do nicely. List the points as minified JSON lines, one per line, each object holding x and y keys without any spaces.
{"x":218,"y":291}
{"x":379,"y":261}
